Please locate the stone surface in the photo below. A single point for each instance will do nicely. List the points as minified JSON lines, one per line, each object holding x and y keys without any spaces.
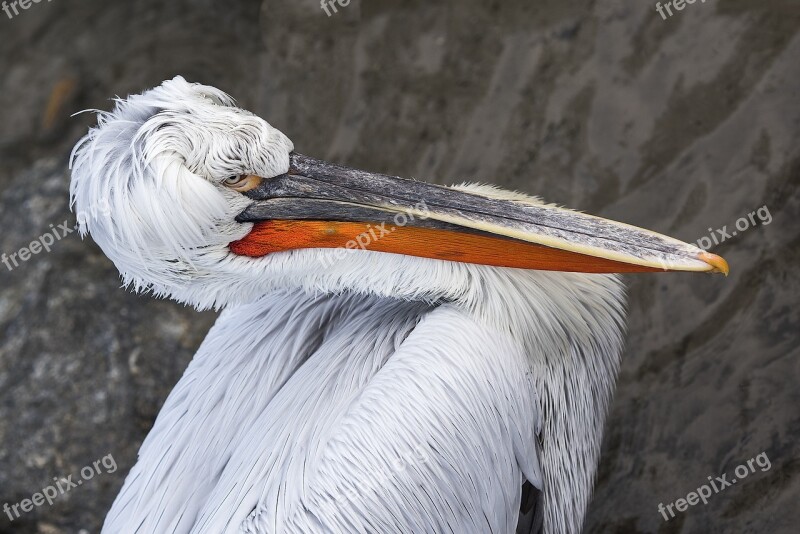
{"x":679,"y":125}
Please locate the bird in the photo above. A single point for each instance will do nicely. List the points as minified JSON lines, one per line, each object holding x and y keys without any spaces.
{"x":390,"y":356}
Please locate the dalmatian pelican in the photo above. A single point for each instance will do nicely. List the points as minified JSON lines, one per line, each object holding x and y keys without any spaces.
{"x":392,"y":356}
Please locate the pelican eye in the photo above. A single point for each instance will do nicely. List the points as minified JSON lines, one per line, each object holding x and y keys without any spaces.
{"x":242,"y":182}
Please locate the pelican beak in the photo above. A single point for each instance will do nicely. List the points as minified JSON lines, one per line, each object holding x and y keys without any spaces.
{"x":322,"y":205}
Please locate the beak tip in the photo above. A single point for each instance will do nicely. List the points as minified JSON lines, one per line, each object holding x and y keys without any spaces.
{"x":717,"y":263}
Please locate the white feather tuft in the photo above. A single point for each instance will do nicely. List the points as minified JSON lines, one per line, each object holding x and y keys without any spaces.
{"x":155,"y":164}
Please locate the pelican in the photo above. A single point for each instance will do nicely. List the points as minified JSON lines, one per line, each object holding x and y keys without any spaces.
{"x":392,"y":356}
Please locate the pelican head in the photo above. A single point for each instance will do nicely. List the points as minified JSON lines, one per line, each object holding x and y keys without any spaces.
{"x":209,"y":204}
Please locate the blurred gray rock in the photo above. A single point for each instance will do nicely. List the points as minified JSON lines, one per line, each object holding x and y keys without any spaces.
{"x":680,"y":125}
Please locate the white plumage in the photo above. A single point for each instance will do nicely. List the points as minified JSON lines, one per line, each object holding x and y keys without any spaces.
{"x":374,"y":393}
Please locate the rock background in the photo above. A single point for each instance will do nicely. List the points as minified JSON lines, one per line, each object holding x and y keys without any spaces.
{"x":678,"y":125}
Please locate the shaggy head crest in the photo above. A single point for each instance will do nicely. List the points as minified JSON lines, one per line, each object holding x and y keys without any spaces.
{"x":147,"y":181}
